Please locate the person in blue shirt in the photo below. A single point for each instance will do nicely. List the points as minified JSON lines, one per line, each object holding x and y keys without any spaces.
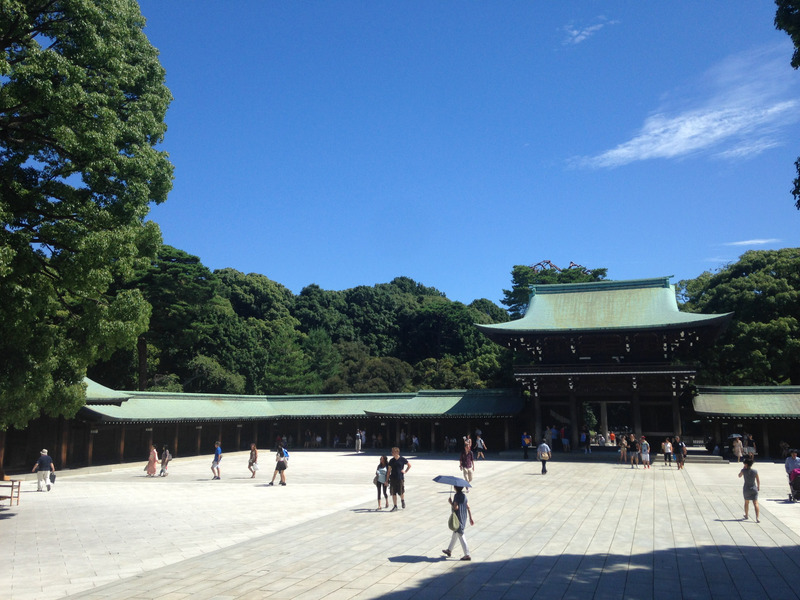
{"x":217,"y":459}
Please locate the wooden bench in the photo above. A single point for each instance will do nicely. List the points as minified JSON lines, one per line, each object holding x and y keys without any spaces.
{"x":14,"y":487}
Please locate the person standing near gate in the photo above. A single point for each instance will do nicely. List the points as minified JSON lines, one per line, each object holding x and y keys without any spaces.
{"x":358,"y":441}
{"x":43,"y":467}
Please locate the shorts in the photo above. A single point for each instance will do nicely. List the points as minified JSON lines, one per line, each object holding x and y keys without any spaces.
{"x":215,"y":464}
{"x":396,"y":487}
{"x":645,"y":457}
{"x":281,"y":466}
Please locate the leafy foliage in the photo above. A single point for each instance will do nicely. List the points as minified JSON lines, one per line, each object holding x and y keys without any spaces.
{"x":762,"y":344}
{"x":524,"y":276}
{"x":82,"y":105}
{"x":787,"y":18}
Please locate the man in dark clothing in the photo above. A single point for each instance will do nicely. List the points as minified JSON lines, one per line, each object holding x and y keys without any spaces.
{"x":42,"y":468}
{"x":398,"y":467}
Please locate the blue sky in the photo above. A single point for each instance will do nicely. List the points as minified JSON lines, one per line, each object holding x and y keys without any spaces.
{"x":348,"y":143}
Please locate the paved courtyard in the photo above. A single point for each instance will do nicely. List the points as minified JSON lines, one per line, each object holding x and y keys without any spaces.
{"x":585,"y":530}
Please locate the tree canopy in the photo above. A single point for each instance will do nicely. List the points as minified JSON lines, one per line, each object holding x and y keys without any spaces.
{"x":762,"y":344}
{"x":82,"y":105}
{"x":787,"y":18}
{"x":545,"y":272}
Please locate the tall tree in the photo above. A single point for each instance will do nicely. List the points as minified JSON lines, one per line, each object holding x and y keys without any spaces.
{"x":545,"y":272}
{"x":82,"y":105}
{"x":787,"y":18}
{"x":762,"y":344}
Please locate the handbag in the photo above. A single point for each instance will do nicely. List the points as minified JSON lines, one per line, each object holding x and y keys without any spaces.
{"x":544,"y":456}
{"x":375,"y":480}
{"x":453,"y":523}
{"x":52,"y":477}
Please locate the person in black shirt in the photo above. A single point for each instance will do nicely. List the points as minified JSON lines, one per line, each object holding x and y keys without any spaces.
{"x":43,"y":467}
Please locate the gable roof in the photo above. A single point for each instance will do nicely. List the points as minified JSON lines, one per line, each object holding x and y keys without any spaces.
{"x":777,"y":401}
{"x":604,"y":306}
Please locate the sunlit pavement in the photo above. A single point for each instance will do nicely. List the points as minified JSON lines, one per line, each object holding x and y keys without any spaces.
{"x":584,"y":530}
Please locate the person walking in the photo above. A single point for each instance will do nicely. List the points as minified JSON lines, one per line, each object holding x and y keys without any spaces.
{"x":544,"y":453}
{"x":43,"y":467}
{"x":152,"y":461}
{"x":633,"y":450}
{"x":460,"y":506}
{"x":165,"y":458}
{"x":752,"y":485}
{"x":680,"y":452}
{"x":252,"y":462}
{"x":737,"y":449}
{"x":645,"y":450}
{"x":467,"y":463}
{"x":381,"y":480}
{"x":666,"y":448}
{"x":526,"y":443}
{"x":623,"y":450}
{"x":217,"y":459}
{"x":480,"y":445}
{"x":281,"y":462}
{"x":358,"y":441}
{"x":398,"y":467}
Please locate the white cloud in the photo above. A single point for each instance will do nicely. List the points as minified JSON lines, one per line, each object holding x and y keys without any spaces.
{"x":738,"y":114}
{"x":577,"y":35}
{"x":757,"y":242}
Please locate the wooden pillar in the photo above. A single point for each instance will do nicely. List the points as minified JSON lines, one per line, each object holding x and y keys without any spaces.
{"x":149,"y":437}
{"x":175,"y":440}
{"x":764,"y":452}
{"x":327,"y":434}
{"x":199,"y":429}
{"x":90,"y":448}
{"x":433,"y":436}
{"x":121,"y":448}
{"x":604,"y":419}
{"x":538,"y":431}
{"x":65,"y":438}
{"x":507,"y":437}
{"x":676,"y":415}
{"x":2,"y":448}
{"x":573,"y":418}
{"x":636,"y":408}
{"x":238,"y":436}
{"x":255,"y":433}
{"x":219,"y":434}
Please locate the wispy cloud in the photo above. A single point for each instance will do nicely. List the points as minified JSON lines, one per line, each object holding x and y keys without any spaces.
{"x":756,"y":242}
{"x":576,"y":35}
{"x":739,"y":113}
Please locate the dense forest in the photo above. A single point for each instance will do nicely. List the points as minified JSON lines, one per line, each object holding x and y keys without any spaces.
{"x":229,"y":332}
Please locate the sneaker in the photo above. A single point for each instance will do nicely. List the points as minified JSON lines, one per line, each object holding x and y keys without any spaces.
{"x":467,"y":557}
{"x":393,"y":509}
{"x":447,"y":552}
{"x":270,"y":483}
{"x":403,"y":502}
{"x":282,"y":483}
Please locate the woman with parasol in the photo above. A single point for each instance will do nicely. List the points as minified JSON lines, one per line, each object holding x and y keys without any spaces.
{"x":460,"y":508}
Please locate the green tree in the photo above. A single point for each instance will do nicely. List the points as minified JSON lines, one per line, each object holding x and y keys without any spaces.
{"x":524,"y":276}
{"x":787,"y":18}
{"x":82,"y":105}
{"x":762,"y":344}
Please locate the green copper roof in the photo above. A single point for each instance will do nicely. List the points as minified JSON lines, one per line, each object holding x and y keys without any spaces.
{"x":100,"y":394}
{"x":781,"y":401}
{"x":163,"y":406}
{"x":604,"y":305}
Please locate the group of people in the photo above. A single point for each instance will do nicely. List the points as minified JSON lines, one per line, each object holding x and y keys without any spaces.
{"x":390,"y":479}
{"x":637,"y":450}
{"x":743,"y":447}
{"x":152,"y":462}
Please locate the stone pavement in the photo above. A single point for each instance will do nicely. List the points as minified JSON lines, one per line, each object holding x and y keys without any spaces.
{"x":585,"y":530}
